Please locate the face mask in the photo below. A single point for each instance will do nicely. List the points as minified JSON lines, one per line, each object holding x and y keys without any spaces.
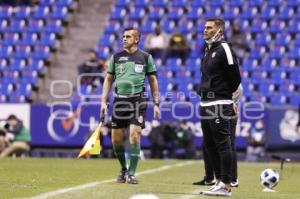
{"x":213,"y":38}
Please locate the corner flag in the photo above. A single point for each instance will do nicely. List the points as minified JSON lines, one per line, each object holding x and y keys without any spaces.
{"x":92,"y":146}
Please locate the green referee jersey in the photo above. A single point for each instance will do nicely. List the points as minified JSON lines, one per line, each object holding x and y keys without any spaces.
{"x":130,"y":70}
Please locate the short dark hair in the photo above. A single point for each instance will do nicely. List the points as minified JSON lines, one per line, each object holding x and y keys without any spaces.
{"x":218,"y":21}
{"x":12,"y":117}
{"x":138,"y":32}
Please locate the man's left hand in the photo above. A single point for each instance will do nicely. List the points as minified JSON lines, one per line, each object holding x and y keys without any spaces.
{"x":156,"y":112}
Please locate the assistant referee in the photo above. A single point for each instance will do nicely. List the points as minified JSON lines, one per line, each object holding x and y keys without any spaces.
{"x":129,"y":69}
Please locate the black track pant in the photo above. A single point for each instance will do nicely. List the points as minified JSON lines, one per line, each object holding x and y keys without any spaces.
{"x":217,"y":126}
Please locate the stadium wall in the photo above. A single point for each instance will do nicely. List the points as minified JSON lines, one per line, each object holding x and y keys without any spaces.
{"x":64,"y":125}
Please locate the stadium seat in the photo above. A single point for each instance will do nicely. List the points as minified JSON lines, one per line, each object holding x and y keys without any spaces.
{"x":160,"y":3}
{"x":175,"y":13}
{"x":41,"y":12}
{"x":59,"y":13}
{"x":268,"y":13}
{"x":6,"y":12}
{"x":22,"y":12}
{"x":285,"y":13}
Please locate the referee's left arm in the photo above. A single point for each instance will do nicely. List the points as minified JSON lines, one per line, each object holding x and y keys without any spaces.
{"x":154,"y":87}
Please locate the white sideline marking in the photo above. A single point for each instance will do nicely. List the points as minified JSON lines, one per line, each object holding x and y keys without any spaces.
{"x":191,"y":195}
{"x":92,"y":184}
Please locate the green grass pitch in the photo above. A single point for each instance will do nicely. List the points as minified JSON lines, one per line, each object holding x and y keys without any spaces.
{"x":168,"y":179}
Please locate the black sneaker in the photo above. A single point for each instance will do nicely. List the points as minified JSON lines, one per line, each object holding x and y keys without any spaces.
{"x":205,"y":182}
{"x":131,"y":179}
{"x":122,"y":176}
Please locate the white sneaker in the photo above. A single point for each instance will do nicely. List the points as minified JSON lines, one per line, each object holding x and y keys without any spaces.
{"x":213,"y":186}
{"x":217,"y":190}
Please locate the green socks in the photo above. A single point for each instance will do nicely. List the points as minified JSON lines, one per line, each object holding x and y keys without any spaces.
{"x":120,"y":153}
{"x":134,"y":157}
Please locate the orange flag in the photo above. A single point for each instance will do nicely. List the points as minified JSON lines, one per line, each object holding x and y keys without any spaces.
{"x":92,"y":146}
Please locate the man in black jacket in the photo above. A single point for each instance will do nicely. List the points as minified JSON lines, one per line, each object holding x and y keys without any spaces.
{"x":220,"y":87}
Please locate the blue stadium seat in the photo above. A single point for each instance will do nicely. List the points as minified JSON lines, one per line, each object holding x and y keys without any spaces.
{"x":22,"y":52}
{"x":54,"y":26}
{"x":294,"y":53}
{"x":25,"y":90}
{"x":41,"y":52}
{"x":41,"y":12}
{"x":28,"y":38}
{"x":6,"y":88}
{"x":5,"y":51}
{"x":263,"y":39}
{"x":195,"y":12}
{"x":258,"y":26}
{"x":249,"y":13}
{"x":275,"y":3}
{"x":198,"y":3}
{"x":35,"y":25}
{"x":179,"y":3}
{"x":293,"y":3}
{"x":64,"y":3}
{"x":285,"y":13}
{"x":175,"y":13}
{"x":17,"y":26}
{"x":16,"y":98}
{"x":112,"y":27}
{"x":122,"y":3}
{"x":213,"y":11}
{"x":268,"y":13}
{"x":285,"y":87}
{"x":256,"y":2}
{"x":156,"y":13}
{"x":141,"y":3}
{"x":185,"y":26}
{"x":137,"y":13}
{"x":107,"y":40}
{"x":46,"y":2}
{"x":29,"y":77}
{"x":257,"y":52}
{"x":268,"y":63}
{"x":118,"y":13}
{"x":277,"y":52}
{"x":231,"y":12}
{"x":294,"y":100}
{"x":148,"y":26}
{"x":294,"y":26}
{"x":168,"y":26}
{"x":22,"y":12}
{"x":103,"y":52}
{"x":60,"y":13}
{"x":6,"y":12}
{"x":11,"y":38}
{"x":297,"y":40}
{"x":160,"y":3}
{"x":278,"y":100}
{"x":283,"y":39}
{"x":37,"y":65}
{"x":47,"y":39}
{"x":4,"y":24}
{"x":17,"y":64}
